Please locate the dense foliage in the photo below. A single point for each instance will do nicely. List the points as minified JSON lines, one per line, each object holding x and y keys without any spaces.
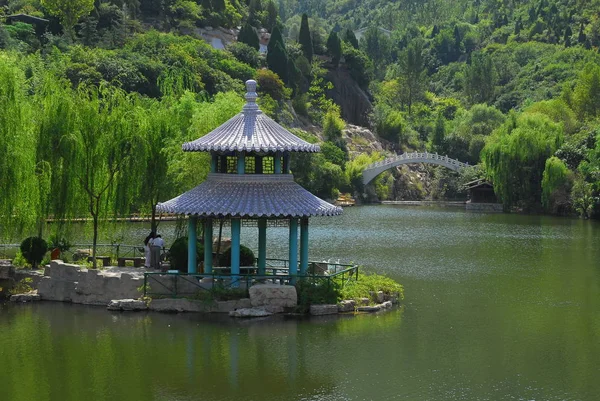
{"x":95,"y":102}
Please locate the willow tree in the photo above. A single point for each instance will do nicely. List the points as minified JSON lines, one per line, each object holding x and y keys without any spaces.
{"x":69,"y":12}
{"x":515,"y":158}
{"x":19,"y":199}
{"x":106,"y":145}
{"x":55,"y":157}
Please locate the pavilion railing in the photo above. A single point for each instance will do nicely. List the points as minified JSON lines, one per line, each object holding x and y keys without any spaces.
{"x":176,"y":284}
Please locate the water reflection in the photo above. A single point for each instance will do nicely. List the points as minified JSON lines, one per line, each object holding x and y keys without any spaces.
{"x":497,"y":307}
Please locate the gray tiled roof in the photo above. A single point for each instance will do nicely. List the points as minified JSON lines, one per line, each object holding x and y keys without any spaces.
{"x":249,"y":195}
{"x":250,"y":131}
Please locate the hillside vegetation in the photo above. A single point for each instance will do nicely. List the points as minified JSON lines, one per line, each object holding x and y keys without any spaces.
{"x":96,"y":103}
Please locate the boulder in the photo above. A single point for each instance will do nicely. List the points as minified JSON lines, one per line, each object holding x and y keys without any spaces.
{"x":51,"y":289}
{"x":228,"y":306}
{"x":127,"y":305}
{"x":347,"y":306}
{"x":30,"y":296}
{"x":364,"y":301}
{"x":380,"y":297}
{"x":273,"y":295}
{"x":7,"y":270}
{"x":373,"y":308}
{"x":250,"y":312}
{"x":319,"y":310}
{"x":177,"y":305}
{"x":386,"y":305}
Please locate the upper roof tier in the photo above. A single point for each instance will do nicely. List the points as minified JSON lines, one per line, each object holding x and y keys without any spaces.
{"x":250,"y":131}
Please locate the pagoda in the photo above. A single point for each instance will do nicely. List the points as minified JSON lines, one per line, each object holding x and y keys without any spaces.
{"x":249,"y":179}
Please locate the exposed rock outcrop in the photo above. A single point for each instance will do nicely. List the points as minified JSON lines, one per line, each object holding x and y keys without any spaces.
{"x":354,"y":102}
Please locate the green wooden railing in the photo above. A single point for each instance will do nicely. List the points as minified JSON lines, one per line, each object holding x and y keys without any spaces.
{"x":277,"y":271}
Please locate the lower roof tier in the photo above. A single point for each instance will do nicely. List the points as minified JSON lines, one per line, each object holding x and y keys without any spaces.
{"x":249,"y":195}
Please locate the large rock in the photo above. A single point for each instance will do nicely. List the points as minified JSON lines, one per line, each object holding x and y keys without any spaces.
{"x":95,"y":288}
{"x":250,"y":312}
{"x":52,"y":289}
{"x":273,"y":295}
{"x":190,"y":305}
{"x":347,"y":306}
{"x":127,"y":305}
{"x":319,"y":310}
{"x":373,"y":308}
{"x":7,"y":270}
{"x":30,"y":296}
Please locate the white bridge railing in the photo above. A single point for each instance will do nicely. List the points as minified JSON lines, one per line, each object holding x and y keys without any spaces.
{"x":373,"y":170}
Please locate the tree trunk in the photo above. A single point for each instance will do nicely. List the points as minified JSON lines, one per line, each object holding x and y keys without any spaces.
{"x":153,"y":225}
{"x":95,"y":240}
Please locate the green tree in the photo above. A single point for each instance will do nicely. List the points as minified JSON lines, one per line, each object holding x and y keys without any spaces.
{"x":272,"y":15}
{"x":412,"y":72}
{"x":586,"y":95}
{"x":480,"y":78}
{"x":334,"y":48}
{"x":68,"y":12}
{"x":305,"y":38}
{"x":248,"y":36}
{"x":439,"y":133}
{"x":556,"y":186}
{"x":515,"y":158}
{"x":350,"y":38}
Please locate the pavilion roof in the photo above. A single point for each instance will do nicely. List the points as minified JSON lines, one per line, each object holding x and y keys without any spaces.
{"x":249,"y":195}
{"x":250,"y":131}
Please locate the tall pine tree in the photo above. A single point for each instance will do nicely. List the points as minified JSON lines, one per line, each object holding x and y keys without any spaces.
{"x":305,"y":39}
{"x":350,"y":38}
{"x":334,"y":48}
{"x":248,"y":36}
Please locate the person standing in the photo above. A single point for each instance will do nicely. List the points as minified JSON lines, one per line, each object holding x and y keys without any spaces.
{"x":156,"y":245}
{"x":147,"y":249}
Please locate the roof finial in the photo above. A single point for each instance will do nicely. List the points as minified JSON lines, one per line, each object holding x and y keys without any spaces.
{"x":251,"y":97}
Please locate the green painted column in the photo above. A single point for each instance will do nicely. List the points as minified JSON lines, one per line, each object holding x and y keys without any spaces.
{"x":303,"y":246}
{"x":192,"y":262}
{"x":293,"y":248}
{"x":286,"y":163}
{"x":277,"y":163}
{"x":236,"y":228}
{"x":241,"y":163}
{"x":208,"y":236}
{"x":213,"y":162}
{"x":262,"y":247}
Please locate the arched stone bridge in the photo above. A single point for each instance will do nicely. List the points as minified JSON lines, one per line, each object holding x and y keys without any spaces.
{"x":373,"y":170}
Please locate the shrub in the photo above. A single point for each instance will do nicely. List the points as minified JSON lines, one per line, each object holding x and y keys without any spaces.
{"x":246,"y":257}
{"x":178,"y":254}
{"x":22,"y":287}
{"x":33,"y":250}
{"x":320,"y":293}
{"x":368,"y":283}
{"x":270,"y":84}
{"x":244,"y":53}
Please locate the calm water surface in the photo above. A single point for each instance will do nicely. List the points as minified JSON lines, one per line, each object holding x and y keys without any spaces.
{"x":498,"y":307}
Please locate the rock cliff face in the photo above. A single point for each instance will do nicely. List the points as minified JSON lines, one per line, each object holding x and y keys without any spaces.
{"x":353,"y":101}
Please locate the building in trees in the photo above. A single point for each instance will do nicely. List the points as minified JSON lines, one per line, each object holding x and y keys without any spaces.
{"x":250,"y":182}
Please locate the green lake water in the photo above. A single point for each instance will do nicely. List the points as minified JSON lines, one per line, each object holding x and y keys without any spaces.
{"x":497,"y":307}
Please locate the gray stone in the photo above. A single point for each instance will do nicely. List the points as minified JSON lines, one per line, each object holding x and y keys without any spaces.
{"x":51,"y":289}
{"x":178,"y":305}
{"x":386,"y":305}
{"x":127,"y":305}
{"x":228,"y":306}
{"x":364,"y":301}
{"x":273,"y":295}
{"x":250,"y":312}
{"x":30,"y":296}
{"x":347,"y":306}
{"x":319,"y":310}
{"x":62,"y":271}
{"x":7,"y":270}
{"x":373,"y":308}
{"x":380,"y":297}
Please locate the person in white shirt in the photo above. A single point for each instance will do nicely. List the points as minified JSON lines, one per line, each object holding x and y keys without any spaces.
{"x":156,"y":245}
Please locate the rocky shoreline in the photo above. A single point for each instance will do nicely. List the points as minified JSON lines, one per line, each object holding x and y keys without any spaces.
{"x":121,"y":290}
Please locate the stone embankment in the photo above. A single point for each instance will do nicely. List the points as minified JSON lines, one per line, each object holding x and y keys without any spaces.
{"x":120,"y":290}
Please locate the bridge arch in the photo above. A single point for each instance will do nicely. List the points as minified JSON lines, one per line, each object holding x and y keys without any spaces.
{"x":373,"y":170}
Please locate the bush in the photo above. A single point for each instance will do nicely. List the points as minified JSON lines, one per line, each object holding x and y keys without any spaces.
{"x":321,"y":293}
{"x":246,"y":257}
{"x":33,"y":250}
{"x":369,"y":283}
{"x":244,"y":53}
{"x":270,"y":84}
{"x":178,"y":254}
{"x":22,"y":287}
